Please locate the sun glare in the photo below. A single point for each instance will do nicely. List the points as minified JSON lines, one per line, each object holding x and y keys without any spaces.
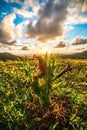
{"x":44,"y":50}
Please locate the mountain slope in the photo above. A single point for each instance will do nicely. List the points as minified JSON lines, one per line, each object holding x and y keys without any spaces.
{"x":80,"y":55}
{"x":7,"y":56}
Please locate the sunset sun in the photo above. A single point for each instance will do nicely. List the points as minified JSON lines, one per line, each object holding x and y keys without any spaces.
{"x":44,"y":50}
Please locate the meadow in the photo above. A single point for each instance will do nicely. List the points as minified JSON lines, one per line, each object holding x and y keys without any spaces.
{"x":43,"y":94}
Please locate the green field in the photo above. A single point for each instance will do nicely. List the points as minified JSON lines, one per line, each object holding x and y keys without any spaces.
{"x":42,"y":103}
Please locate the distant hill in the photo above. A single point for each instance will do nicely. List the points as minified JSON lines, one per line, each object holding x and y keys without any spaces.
{"x":80,"y":55}
{"x":7,"y":56}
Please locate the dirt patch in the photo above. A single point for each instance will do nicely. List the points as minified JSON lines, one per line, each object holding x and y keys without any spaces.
{"x":42,"y":118}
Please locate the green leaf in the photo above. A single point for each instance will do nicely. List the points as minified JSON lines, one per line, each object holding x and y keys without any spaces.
{"x":53,"y":127}
{"x":55,"y":86}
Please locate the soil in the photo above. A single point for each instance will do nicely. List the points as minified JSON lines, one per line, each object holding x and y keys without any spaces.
{"x":43,"y":117}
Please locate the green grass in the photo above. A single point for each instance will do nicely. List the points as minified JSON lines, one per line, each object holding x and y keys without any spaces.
{"x":16,"y":97}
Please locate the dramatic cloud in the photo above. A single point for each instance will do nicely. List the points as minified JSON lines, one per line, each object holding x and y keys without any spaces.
{"x":42,"y":21}
{"x":50,"y":22}
{"x":79,"y":41}
{"x":51,"y":18}
{"x":61,"y":44}
{"x":7,"y":29}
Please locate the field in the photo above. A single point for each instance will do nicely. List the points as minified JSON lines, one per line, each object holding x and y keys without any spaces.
{"x":51,"y":97}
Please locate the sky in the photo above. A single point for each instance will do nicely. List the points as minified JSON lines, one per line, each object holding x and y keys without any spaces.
{"x":40,"y":26}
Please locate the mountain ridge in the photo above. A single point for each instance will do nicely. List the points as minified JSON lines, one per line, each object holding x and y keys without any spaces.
{"x":8,"y":56}
{"x":79,"y":55}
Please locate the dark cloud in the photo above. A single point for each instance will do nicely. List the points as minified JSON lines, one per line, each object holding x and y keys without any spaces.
{"x":9,"y":48}
{"x":25,"y":48}
{"x":79,"y":41}
{"x":50,"y":21}
{"x":4,"y":36}
{"x":14,"y":42}
{"x":61,"y":44}
{"x":6,"y":46}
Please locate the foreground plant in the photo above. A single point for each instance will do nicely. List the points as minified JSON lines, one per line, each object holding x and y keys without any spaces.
{"x":41,"y":82}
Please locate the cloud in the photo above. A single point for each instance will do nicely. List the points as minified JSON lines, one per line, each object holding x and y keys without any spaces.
{"x":34,"y":4}
{"x":51,"y":17}
{"x":83,"y":5}
{"x":4,"y":13}
{"x":61,"y":44}
{"x":19,"y":30}
{"x":25,"y":48}
{"x":25,"y":13}
{"x":53,"y":20}
{"x":30,"y":2}
{"x":79,"y":41}
{"x":76,"y":10}
{"x":80,"y":48}
{"x":68,"y":28}
{"x":6,"y":46}
{"x":14,"y":42}
{"x":7,"y":29}
{"x":77,"y":6}
{"x":13,"y":1}
{"x":76,"y":19}
{"x":2,"y":47}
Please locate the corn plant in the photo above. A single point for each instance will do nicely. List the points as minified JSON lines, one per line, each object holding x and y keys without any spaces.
{"x":41,"y":83}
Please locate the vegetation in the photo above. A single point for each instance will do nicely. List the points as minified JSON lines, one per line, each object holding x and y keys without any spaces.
{"x":48,"y":96}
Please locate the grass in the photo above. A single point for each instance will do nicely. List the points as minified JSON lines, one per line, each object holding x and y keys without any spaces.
{"x":32,"y":102}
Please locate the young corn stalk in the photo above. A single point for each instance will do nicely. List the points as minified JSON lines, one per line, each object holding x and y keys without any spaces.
{"x":41,"y":82}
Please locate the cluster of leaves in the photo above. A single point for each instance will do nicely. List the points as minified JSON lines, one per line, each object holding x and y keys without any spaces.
{"x":41,"y":82}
